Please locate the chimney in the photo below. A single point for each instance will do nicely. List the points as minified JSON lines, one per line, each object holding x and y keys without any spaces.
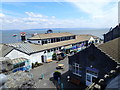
{"x":23,"y":36}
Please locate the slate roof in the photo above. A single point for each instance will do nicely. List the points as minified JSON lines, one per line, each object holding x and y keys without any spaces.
{"x":112,"y":49}
{"x":50,"y":35}
{"x":92,"y":56}
{"x":87,"y":36}
{"x":4,"y":50}
{"x":30,"y":48}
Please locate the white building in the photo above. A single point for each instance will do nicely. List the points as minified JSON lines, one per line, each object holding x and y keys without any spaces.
{"x":41,"y":47}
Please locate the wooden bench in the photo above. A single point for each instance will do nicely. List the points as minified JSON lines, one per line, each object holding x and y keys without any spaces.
{"x":49,"y":60}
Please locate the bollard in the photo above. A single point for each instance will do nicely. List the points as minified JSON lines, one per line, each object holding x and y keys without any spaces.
{"x":42,"y":75}
{"x":62,"y":86}
{"x":31,"y":75}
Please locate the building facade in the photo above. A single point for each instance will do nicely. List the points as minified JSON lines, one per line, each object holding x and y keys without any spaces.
{"x":112,"y":34}
{"x":90,"y":64}
{"x":41,"y":47}
{"x":50,"y":38}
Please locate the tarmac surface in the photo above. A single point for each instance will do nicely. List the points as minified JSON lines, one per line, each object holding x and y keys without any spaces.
{"x":46,"y":71}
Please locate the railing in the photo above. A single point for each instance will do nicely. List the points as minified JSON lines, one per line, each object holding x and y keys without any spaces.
{"x":90,"y":87}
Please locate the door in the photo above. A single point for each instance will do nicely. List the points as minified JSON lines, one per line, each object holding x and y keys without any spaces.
{"x":42,"y":58}
{"x":90,"y":79}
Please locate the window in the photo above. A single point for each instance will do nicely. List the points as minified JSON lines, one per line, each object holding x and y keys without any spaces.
{"x":16,"y":66}
{"x":22,"y":64}
{"x":54,"y":49}
{"x":76,"y":69}
{"x":96,"y":41}
{"x":52,"y":40}
{"x":44,"y":51}
{"x":59,"y":48}
{"x":93,"y":79}
{"x":48,"y":40}
{"x":19,"y":65}
{"x":48,"y":50}
{"x":45,"y":42}
{"x":89,"y":78}
{"x":38,"y":41}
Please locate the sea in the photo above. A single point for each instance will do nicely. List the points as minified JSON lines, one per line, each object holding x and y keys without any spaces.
{"x":7,"y":35}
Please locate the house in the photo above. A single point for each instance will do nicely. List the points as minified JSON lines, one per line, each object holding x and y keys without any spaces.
{"x":7,"y":64}
{"x":51,"y":38}
{"x":112,"y":34}
{"x":112,"y":49}
{"x":91,"y":38}
{"x":41,"y":47}
{"x":19,"y":64}
{"x":94,"y":62}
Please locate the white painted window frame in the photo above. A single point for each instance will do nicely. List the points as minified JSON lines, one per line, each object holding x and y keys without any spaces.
{"x":78,"y":66}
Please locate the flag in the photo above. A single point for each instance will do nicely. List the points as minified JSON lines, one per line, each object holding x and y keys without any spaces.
{"x":14,"y":35}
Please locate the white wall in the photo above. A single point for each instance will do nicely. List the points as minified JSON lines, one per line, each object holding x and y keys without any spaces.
{"x":49,"y":55}
{"x":17,"y":54}
{"x":33,"y":58}
{"x":37,"y":57}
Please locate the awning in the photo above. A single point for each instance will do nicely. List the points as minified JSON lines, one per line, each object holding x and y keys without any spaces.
{"x":17,"y":60}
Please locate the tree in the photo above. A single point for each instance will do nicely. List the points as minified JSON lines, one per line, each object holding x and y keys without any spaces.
{"x":54,"y":56}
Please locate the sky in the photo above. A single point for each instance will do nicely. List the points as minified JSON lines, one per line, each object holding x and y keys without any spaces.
{"x":35,"y":14}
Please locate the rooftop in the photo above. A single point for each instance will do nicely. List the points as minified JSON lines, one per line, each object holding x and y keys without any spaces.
{"x":87,"y":36}
{"x":4,"y":49}
{"x":112,"y":48}
{"x":17,"y":60}
{"x":51,"y":35}
{"x":30,"y":48}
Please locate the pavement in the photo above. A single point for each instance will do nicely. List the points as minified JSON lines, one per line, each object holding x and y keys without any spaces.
{"x":47,"y":69}
{"x":48,"y":82}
